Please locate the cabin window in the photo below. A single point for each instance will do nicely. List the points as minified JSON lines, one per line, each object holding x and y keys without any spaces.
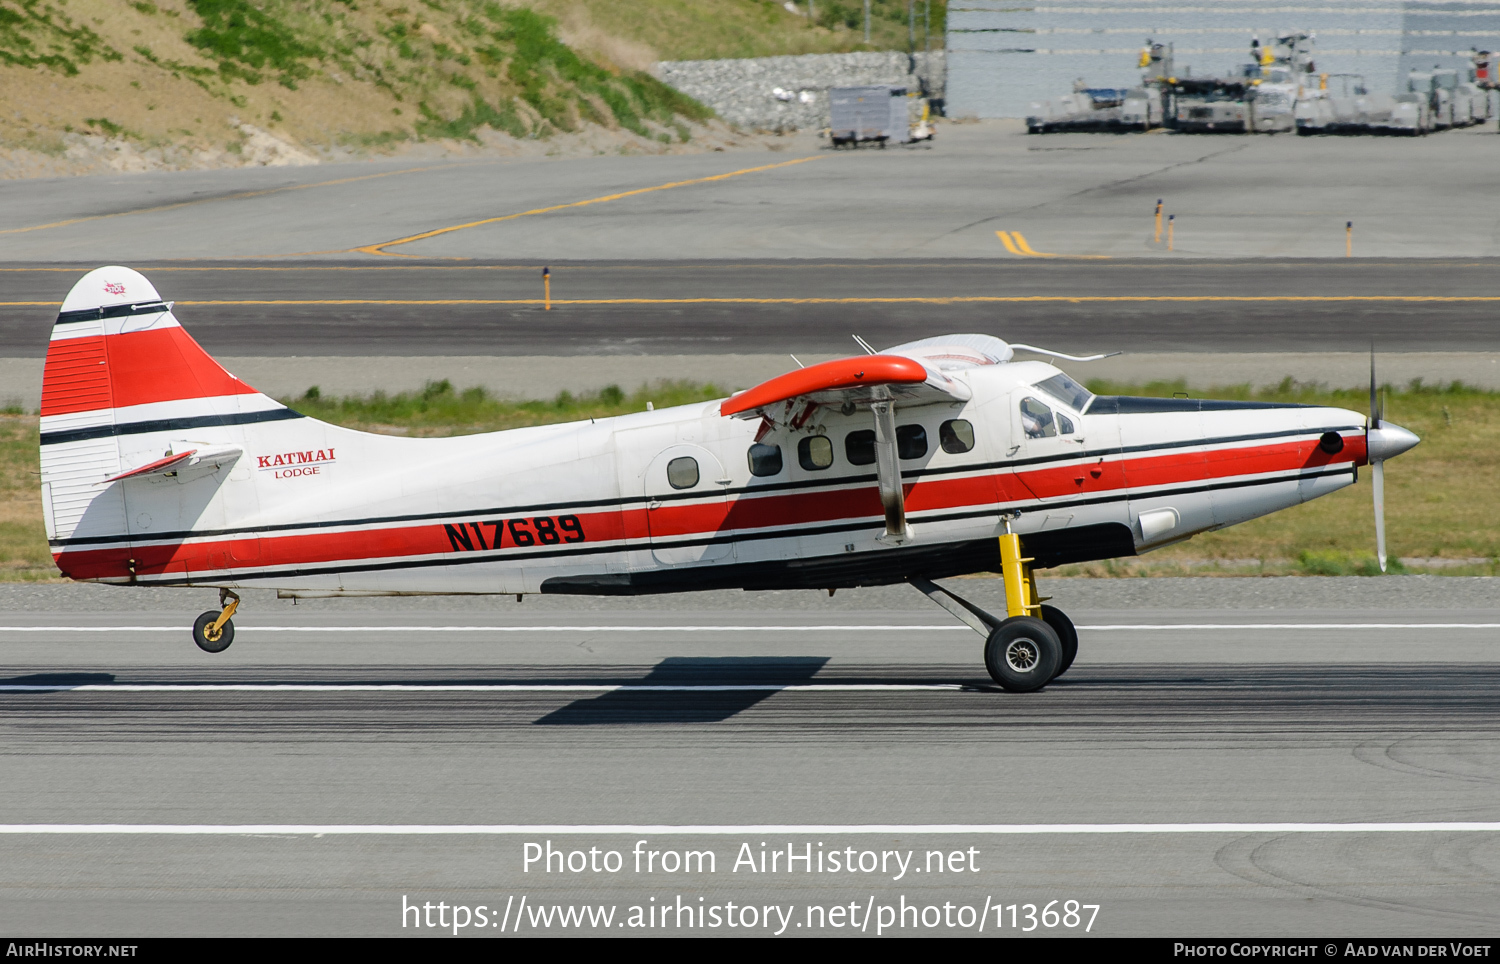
{"x":956,"y":436}
{"x":859,"y":447}
{"x":682,"y":473}
{"x":815,"y":453}
{"x":1064,"y":424}
{"x":911,"y":441}
{"x":1037,"y":420}
{"x":765,"y":459}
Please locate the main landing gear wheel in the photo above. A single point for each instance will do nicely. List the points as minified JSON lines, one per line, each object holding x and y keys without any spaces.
{"x":1023,"y":654}
{"x":209,"y":639}
{"x":1067,"y":634}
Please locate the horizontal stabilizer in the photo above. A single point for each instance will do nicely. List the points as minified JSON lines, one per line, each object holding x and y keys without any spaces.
{"x":206,"y":456}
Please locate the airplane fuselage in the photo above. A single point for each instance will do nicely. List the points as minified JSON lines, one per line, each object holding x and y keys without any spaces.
{"x":686,"y":498}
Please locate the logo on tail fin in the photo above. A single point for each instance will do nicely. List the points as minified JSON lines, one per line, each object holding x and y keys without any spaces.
{"x":114,"y":287}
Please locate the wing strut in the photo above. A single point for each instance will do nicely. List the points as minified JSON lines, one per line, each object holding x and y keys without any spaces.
{"x":888,"y":471}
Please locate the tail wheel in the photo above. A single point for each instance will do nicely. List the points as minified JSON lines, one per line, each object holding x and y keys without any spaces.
{"x":208,"y":639}
{"x":1022,"y":654}
{"x":1067,"y":634}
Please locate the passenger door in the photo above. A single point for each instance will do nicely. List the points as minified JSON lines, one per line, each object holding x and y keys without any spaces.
{"x":686,"y":506}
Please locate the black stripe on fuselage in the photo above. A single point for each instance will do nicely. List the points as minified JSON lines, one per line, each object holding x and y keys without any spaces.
{"x":167,"y":425}
{"x":621,"y":501}
{"x":470,"y":558}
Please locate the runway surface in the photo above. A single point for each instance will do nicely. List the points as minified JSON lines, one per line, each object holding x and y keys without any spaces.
{"x":343,"y":733}
{"x":697,"y":307}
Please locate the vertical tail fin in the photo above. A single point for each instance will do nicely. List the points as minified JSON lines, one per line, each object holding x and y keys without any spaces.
{"x":122,"y":381}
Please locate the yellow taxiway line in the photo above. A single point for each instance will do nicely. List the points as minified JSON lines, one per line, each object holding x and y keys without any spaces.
{"x":379,"y":248}
{"x":1015,"y":243}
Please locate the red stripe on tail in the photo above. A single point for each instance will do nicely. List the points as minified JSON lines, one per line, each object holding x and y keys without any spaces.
{"x":164,"y":365}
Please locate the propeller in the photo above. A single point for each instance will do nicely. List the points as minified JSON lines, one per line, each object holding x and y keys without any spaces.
{"x":1382,"y":441}
{"x":1377,"y":466}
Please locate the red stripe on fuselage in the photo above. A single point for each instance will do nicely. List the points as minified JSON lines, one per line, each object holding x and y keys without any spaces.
{"x":747,"y":513}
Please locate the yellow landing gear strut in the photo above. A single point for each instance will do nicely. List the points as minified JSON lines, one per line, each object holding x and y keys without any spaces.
{"x":1025,"y":652}
{"x":213,"y":631}
{"x":1020,"y":587}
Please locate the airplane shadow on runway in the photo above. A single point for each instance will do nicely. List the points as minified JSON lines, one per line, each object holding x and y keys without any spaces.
{"x":58,"y":679}
{"x":696,"y":706}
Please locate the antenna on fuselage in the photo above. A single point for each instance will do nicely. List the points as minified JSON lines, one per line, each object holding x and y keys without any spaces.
{"x":1058,"y":354}
{"x":866,"y":346}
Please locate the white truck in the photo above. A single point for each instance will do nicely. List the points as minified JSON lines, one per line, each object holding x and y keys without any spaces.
{"x":1341,"y":104}
{"x":1097,"y":109}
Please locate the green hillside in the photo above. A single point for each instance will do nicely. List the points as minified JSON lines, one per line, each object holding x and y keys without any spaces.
{"x":373,"y":72}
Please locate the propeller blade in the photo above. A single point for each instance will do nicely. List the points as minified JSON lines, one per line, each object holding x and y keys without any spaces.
{"x":1374,"y":413}
{"x":1377,"y":486}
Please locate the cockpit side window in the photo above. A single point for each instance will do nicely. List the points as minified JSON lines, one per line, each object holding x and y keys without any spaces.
{"x":1037,"y":419}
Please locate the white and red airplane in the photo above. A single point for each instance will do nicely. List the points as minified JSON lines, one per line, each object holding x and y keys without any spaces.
{"x":931,"y":459}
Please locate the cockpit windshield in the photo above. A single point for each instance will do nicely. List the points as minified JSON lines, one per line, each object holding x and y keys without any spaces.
{"x":1067,"y":391}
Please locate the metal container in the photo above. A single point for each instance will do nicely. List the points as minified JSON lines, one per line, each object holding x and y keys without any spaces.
{"x":868,"y":114}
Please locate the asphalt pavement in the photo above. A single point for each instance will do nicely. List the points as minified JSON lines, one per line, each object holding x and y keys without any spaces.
{"x":698,"y":307}
{"x":344,"y":755}
{"x":1066,"y":195}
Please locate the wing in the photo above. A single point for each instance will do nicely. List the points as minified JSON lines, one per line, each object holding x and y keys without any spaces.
{"x":791,"y":398}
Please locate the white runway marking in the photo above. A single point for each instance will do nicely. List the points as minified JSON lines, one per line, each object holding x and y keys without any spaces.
{"x":484,"y":629}
{"x":1118,"y":627}
{"x":469,"y":687}
{"x":1128,"y":626}
{"x":662,"y":830}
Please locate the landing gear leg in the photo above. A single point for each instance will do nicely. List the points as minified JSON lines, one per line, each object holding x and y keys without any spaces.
{"x":213,"y":631}
{"x":1034,"y":644}
{"x":1023,"y":653}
